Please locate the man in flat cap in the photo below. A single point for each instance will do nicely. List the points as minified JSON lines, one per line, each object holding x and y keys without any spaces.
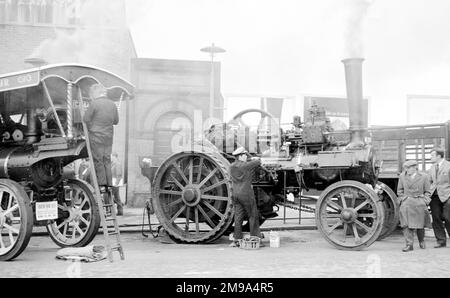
{"x":440,"y":190}
{"x":244,"y":200}
{"x":100,"y":118}
{"x":414,"y":193}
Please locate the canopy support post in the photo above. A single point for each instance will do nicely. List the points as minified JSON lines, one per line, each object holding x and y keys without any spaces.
{"x":69,"y":110}
{"x":50,"y":101}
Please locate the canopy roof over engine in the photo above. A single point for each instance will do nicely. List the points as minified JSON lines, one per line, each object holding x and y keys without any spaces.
{"x":57,"y":76}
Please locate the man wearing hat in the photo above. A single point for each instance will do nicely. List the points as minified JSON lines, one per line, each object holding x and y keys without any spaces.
{"x":100,"y":118}
{"x":244,"y":200}
{"x":414,"y":193}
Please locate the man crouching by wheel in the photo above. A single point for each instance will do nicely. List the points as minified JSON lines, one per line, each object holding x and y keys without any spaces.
{"x":244,"y":201}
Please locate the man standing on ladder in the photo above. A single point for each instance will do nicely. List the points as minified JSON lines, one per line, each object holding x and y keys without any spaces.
{"x":100,"y":118}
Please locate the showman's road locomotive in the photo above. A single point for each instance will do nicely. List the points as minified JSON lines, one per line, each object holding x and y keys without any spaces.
{"x":191,"y":190}
{"x":40,"y":134}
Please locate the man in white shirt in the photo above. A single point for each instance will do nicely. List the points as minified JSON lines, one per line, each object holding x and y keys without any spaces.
{"x":440,"y":190}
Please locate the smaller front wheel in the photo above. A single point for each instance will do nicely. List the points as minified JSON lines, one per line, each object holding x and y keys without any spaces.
{"x":349,"y":215}
{"x":81,"y":220}
{"x":16,"y":220}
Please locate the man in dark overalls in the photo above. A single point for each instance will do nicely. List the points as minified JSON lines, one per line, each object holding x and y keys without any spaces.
{"x":100,"y":118}
{"x":244,"y":200}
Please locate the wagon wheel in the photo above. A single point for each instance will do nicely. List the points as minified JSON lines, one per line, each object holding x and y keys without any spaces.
{"x":349,"y":215}
{"x":16,"y":220}
{"x":79,"y":216}
{"x":267,"y":123}
{"x":192,"y":197}
{"x":391,"y":211}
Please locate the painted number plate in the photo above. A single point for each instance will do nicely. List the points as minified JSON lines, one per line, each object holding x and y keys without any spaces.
{"x":46,"y":211}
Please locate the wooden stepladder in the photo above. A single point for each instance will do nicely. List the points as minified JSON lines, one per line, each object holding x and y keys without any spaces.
{"x":107,"y":209}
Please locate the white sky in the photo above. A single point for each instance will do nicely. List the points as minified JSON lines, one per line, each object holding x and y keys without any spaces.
{"x":294,"y":47}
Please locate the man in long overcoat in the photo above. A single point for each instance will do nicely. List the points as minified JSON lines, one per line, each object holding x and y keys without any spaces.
{"x":414,"y":194}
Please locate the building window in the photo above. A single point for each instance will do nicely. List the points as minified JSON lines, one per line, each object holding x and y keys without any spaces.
{"x":56,"y":12}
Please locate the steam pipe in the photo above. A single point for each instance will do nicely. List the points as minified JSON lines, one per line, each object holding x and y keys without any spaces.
{"x":353,"y":76}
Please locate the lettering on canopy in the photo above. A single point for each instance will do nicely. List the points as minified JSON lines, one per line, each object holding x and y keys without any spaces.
{"x":19,"y":81}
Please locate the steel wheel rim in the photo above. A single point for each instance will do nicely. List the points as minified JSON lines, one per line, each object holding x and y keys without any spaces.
{"x":391,"y":208}
{"x":191,"y":187}
{"x":10,"y":221}
{"x":347,"y":211}
{"x":78,"y":210}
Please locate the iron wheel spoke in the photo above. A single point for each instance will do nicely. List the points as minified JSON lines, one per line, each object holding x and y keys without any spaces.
{"x":355,"y":232}
{"x":180,"y":172}
{"x":211,"y":187}
{"x":200,"y":168}
{"x":197,"y":225}
{"x":11,"y":209}
{"x":366,"y":215}
{"x":177,"y":182}
{"x":334,"y":227}
{"x":84,"y":221}
{"x":333,"y":215}
{"x":363,"y":226}
{"x":11,"y":229}
{"x":175,"y":203}
{"x":344,"y":203}
{"x":215,"y":198}
{"x":65,"y":222}
{"x":188,"y":215}
{"x":213,"y":209}
{"x":334,"y":205}
{"x":170,"y":192}
{"x":206,"y":216}
{"x":213,"y":172}
{"x":363,"y":204}
{"x":345,"y":231}
{"x":177,"y":214}
{"x":191,"y":171}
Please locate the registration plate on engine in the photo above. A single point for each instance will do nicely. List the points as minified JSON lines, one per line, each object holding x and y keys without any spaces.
{"x":46,"y":210}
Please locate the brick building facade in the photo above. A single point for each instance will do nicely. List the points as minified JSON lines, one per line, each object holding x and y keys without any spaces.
{"x":173,"y":97}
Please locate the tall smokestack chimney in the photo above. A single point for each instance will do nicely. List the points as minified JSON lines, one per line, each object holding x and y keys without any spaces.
{"x":353,"y":77}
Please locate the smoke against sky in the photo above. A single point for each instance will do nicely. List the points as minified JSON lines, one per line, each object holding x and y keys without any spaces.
{"x":294,"y":47}
{"x":86,"y":44}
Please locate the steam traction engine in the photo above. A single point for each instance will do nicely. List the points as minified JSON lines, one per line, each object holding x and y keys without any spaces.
{"x":191,"y":190}
{"x":40,"y":134}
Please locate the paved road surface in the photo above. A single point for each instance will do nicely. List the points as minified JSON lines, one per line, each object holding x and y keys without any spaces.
{"x":302,"y":254}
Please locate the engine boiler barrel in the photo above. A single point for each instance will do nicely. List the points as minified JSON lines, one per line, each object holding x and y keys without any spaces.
{"x":357,"y":113}
{"x":15,"y":163}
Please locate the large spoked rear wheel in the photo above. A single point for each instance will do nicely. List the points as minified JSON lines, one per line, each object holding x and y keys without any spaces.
{"x":391,"y":211}
{"x":16,"y":220}
{"x":81,"y":219}
{"x":350,"y":215}
{"x":192,"y":196}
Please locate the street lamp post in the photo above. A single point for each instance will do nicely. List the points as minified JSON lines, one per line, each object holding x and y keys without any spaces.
{"x":212,"y":50}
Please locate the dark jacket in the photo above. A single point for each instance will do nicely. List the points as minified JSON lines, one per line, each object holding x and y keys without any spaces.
{"x":100,"y":118}
{"x":241,"y":178}
{"x":414,"y":194}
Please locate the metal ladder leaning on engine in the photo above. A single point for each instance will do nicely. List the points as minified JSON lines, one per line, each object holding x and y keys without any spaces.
{"x":107,"y":210}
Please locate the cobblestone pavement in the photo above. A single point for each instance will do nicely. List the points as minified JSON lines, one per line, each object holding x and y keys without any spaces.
{"x":302,"y":254}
